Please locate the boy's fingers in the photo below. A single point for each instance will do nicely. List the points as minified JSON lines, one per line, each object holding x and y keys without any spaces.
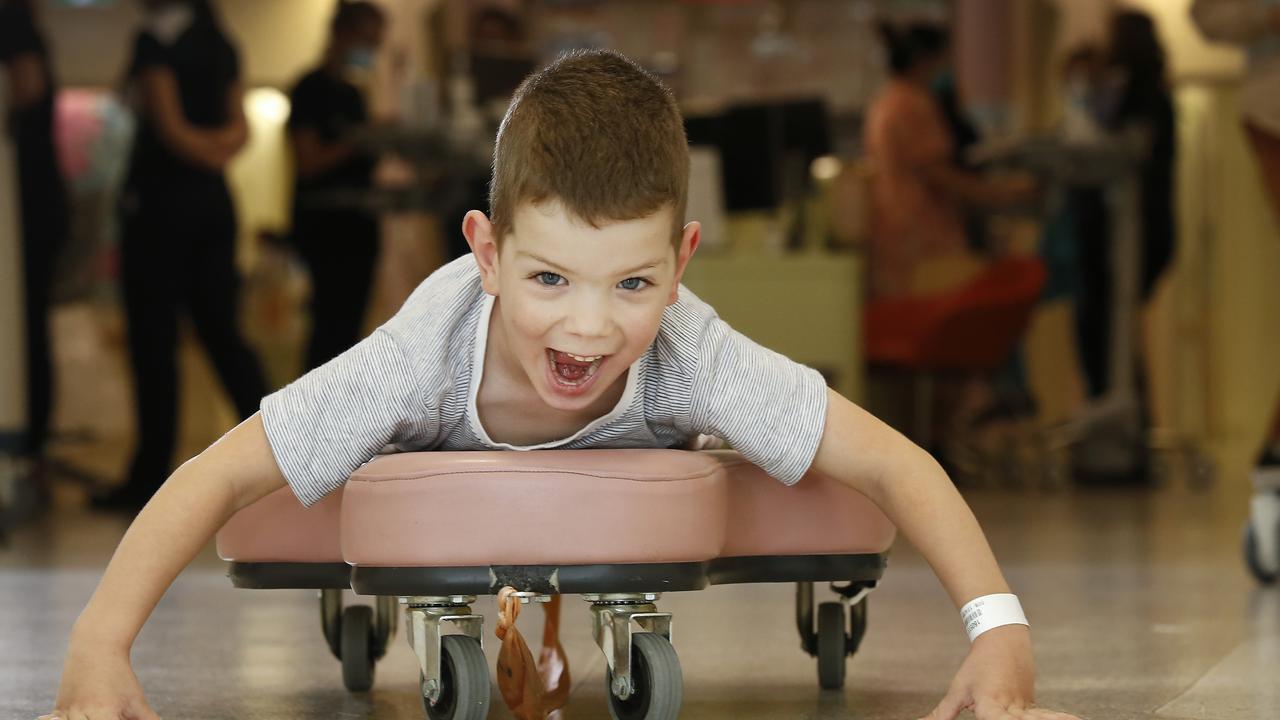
{"x":1043,"y":714}
{"x":1035,"y":713}
{"x":991,"y":710}
{"x":949,"y":708}
{"x":145,"y":713}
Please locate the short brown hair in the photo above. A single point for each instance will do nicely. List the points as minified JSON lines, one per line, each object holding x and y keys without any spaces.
{"x":597,"y":132}
{"x":352,"y":14}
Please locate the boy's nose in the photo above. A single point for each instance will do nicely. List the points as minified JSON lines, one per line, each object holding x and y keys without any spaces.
{"x":588,"y":319}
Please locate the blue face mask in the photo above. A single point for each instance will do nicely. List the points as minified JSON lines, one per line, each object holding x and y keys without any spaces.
{"x":360,"y":58}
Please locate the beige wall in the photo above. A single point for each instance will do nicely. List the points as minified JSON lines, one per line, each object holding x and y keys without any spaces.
{"x":278,"y":39}
{"x":261,"y":176}
{"x":1082,"y":21}
{"x":1219,"y":330}
{"x":1189,"y":54}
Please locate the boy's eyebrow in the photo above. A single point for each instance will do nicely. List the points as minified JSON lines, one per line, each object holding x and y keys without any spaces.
{"x":567,"y":271}
{"x":544,"y":261}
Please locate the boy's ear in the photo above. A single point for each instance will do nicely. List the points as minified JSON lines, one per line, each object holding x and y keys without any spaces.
{"x":689,"y":240}
{"x":484,"y":247}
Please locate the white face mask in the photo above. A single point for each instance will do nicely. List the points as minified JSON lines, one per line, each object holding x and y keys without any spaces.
{"x":169,"y":21}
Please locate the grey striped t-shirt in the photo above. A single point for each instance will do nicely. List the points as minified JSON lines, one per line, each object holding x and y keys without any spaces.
{"x":412,"y":384}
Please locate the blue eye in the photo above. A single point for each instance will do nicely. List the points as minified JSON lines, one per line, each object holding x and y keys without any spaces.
{"x":634,"y":283}
{"x":549,"y":279}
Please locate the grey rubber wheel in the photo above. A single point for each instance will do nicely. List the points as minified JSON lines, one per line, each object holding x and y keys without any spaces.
{"x":1251,"y":559}
{"x":464,"y":681}
{"x":357,"y":648}
{"x":658,"y":681}
{"x":832,"y":645}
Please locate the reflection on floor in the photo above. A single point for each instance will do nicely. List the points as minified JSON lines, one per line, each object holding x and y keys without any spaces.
{"x":1138,"y":599}
{"x":1139,"y":602}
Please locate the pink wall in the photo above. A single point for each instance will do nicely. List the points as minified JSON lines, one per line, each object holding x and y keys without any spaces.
{"x":984,"y":50}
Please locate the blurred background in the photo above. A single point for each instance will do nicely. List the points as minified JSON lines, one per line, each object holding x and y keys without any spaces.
{"x":777,"y":96}
{"x":1035,"y":235}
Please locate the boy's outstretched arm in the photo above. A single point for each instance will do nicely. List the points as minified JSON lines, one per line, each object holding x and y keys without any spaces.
{"x":97,"y":679}
{"x":997,"y":679}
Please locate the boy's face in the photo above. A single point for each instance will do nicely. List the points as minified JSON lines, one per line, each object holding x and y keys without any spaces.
{"x":578,"y":305}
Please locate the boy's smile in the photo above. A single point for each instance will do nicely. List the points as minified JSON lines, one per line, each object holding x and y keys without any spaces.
{"x":576,"y":305}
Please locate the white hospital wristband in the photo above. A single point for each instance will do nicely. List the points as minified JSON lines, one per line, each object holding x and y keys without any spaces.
{"x":991,"y":611}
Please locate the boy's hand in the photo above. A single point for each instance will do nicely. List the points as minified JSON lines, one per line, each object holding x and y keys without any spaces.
{"x":99,"y":685}
{"x":996,"y":681}
{"x":181,"y":518}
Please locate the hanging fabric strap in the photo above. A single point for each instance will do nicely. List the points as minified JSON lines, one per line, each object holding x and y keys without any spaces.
{"x":532,"y":691}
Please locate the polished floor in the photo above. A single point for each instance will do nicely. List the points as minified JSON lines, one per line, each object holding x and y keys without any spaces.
{"x":1139,"y":604}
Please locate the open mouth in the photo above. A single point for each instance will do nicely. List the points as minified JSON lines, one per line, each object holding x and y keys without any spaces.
{"x":572,"y":371}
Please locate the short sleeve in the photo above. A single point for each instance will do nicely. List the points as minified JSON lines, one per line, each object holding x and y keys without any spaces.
{"x":338,"y":416}
{"x":771,"y":409}
{"x":305,"y":106}
{"x":149,"y":52}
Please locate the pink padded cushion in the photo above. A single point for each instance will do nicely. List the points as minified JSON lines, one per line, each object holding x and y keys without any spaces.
{"x":816,"y":516}
{"x":548,"y":507}
{"x":278,"y":528}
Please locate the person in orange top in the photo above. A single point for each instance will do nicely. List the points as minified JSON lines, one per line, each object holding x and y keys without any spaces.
{"x":919,"y":194}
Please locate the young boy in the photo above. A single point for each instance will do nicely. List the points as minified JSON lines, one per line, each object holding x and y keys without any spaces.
{"x":567,"y":327}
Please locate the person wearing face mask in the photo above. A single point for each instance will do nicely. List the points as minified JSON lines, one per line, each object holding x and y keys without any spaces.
{"x":179,"y":227}
{"x":920,"y":192}
{"x":42,"y":197}
{"x":339,"y":245}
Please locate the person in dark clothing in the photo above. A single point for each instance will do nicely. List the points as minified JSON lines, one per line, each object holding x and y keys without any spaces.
{"x":179,"y":226}
{"x":339,"y":245}
{"x":1142,"y":105}
{"x":42,"y":198}
{"x":1135,"y":104}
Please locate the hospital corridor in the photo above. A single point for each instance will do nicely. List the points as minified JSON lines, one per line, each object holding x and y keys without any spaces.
{"x":640,"y":359}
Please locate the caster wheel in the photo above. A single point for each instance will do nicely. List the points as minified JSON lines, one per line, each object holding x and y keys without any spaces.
{"x":464,"y":681}
{"x":1266,"y":576}
{"x":357,"y":648}
{"x":659,"y":684}
{"x":832,"y":645}
{"x":858,"y":626}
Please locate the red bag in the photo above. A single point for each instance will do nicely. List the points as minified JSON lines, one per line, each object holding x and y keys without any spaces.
{"x":531,"y":691}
